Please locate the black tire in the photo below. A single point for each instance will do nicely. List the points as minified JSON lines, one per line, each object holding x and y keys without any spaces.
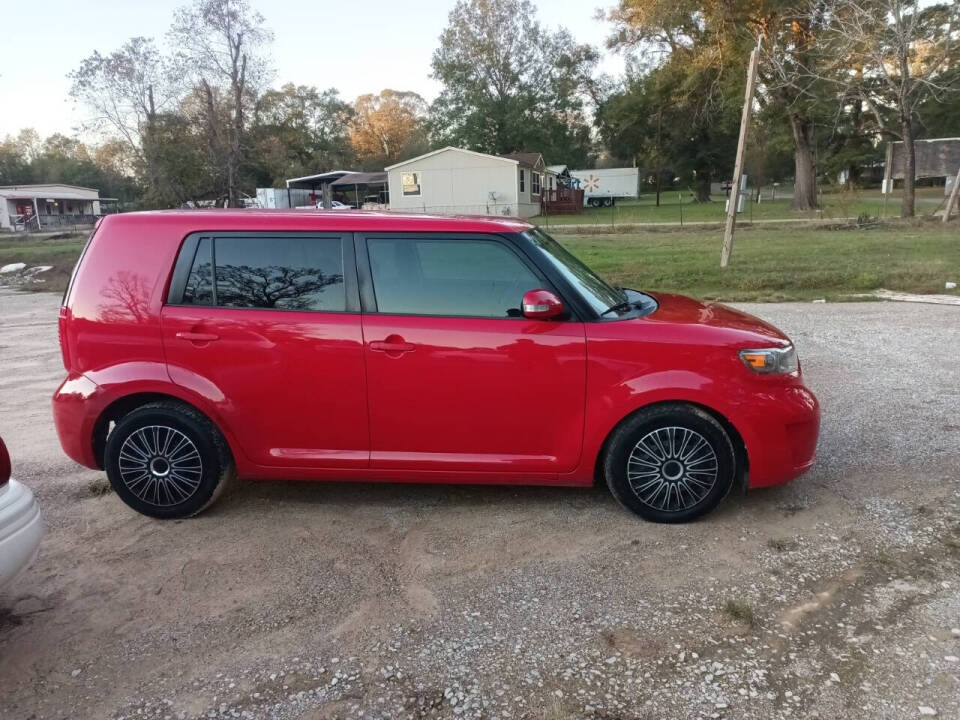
{"x":666,"y":486}
{"x":608,"y":202}
{"x":167,"y":460}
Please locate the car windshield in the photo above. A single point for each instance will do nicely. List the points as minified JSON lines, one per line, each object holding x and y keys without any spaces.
{"x":594,"y":289}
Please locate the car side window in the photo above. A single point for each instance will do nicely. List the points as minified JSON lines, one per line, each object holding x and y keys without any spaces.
{"x":453,"y":277}
{"x":199,"y":287}
{"x":278,"y":273}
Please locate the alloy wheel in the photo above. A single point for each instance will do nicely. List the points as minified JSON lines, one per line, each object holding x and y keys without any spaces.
{"x":672,"y":469}
{"x":160,"y":465}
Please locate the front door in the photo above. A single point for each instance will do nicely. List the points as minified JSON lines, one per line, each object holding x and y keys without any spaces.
{"x":458,"y":379}
{"x":267,"y":328}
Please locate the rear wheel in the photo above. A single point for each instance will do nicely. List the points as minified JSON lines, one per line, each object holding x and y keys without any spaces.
{"x":670,"y":463}
{"x":167,"y":460}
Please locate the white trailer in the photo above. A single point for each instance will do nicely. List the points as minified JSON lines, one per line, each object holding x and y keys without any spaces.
{"x":604,"y":186}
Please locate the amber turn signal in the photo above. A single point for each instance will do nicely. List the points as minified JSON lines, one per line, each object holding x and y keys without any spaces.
{"x":771,"y":360}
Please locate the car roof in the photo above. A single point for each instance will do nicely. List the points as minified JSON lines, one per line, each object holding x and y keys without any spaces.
{"x":322,"y":220}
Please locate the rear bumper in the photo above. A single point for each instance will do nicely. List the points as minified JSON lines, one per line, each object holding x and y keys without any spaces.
{"x":21,"y":528}
{"x":781,"y":435}
{"x":77,"y":404}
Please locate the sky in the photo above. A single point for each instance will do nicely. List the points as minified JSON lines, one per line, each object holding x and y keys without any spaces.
{"x":358,"y":47}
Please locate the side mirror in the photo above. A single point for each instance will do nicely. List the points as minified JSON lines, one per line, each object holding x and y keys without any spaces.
{"x":541,"y":305}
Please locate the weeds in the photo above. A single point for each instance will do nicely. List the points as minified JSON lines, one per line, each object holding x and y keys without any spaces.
{"x":99,"y":487}
{"x":741,"y":611}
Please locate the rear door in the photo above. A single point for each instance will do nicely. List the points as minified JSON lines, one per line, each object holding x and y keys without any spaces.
{"x":458,"y":378}
{"x":267,"y":327}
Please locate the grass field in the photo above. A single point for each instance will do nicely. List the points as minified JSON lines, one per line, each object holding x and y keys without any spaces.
{"x":786,"y":263}
{"x":60,"y":251}
{"x":673,"y":209}
{"x":769,"y":262}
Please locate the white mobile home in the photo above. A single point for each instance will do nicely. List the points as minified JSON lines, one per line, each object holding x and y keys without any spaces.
{"x":452,"y":181}
{"x":48,"y":206}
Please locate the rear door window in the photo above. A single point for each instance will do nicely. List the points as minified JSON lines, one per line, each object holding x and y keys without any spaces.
{"x":453,"y":277}
{"x":285,"y":273}
{"x":273,"y":273}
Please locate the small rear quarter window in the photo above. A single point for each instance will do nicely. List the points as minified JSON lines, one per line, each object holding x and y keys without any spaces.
{"x":199,"y":287}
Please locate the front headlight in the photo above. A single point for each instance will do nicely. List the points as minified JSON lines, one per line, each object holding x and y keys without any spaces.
{"x":778,"y":361}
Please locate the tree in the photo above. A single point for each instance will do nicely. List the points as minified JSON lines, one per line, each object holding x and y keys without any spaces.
{"x":60,"y":159}
{"x":711,"y":39}
{"x":127,"y":91}
{"x":510,"y":85}
{"x":893,"y":57}
{"x":220,"y":46}
{"x":939,"y":116}
{"x":183,"y":167}
{"x":16,"y":155}
{"x":388,"y":127}
{"x":298,"y":130}
{"x":789,"y":36}
{"x":693,"y":69}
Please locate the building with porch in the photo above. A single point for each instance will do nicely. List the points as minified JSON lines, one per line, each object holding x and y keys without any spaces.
{"x":47,"y":207}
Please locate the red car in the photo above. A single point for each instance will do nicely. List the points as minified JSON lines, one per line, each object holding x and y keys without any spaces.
{"x":371,"y":346}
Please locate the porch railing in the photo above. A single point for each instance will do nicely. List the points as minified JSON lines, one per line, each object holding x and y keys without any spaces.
{"x":34,"y":223}
{"x":561,"y":201}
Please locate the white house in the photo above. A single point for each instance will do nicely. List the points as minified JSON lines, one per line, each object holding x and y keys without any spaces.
{"x":35,"y":207}
{"x":453,"y":181}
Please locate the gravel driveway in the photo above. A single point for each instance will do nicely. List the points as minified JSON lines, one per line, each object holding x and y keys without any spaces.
{"x":835,"y":596}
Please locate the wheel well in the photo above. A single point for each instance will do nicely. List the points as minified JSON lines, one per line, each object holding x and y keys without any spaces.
{"x":739,"y":447}
{"x":120,"y":407}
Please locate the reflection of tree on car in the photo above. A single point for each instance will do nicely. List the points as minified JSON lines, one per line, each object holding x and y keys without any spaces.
{"x":273,"y":286}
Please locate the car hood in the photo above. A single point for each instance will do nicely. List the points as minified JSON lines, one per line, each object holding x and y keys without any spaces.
{"x":682,"y":310}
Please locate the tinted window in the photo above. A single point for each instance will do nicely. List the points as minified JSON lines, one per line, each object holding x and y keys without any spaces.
{"x":199,"y":287}
{"x":591,"y":286}
{"x":474,"y":278}
{"x":281,"y":273}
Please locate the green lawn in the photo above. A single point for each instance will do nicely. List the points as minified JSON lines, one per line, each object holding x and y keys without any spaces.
{"x":769,"y":262}
{"x":772,"y":263}
{"x":672,"y":208}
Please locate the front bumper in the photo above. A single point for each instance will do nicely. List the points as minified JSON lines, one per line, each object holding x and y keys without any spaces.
{"x":21,"y":528}
{"x":780,"y":433}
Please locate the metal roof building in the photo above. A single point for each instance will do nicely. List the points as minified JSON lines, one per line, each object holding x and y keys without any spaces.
{"x":46,"y":206}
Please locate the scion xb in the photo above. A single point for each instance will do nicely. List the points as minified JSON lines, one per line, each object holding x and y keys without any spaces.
{"x":353,"y":346}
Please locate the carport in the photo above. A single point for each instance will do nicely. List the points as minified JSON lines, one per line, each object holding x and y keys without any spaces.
{"x":365,"y":188}
{"x":317,"y":184}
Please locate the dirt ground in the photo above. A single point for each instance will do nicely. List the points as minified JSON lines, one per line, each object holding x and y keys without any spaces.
{"x":835,"y":596}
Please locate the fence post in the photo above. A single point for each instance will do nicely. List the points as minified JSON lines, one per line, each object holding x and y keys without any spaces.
{"x":953,"y":198}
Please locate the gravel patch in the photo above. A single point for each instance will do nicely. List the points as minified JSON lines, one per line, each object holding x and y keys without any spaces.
{"x":835,"y":596}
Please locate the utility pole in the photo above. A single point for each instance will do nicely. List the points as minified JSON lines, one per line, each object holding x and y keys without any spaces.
{"x":738,"y":163}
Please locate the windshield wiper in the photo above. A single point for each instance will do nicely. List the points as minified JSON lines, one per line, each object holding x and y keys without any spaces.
{"x":619,"y":307}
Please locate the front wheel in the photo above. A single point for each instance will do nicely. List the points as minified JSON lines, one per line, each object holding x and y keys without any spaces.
{"x":670,"y":463}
